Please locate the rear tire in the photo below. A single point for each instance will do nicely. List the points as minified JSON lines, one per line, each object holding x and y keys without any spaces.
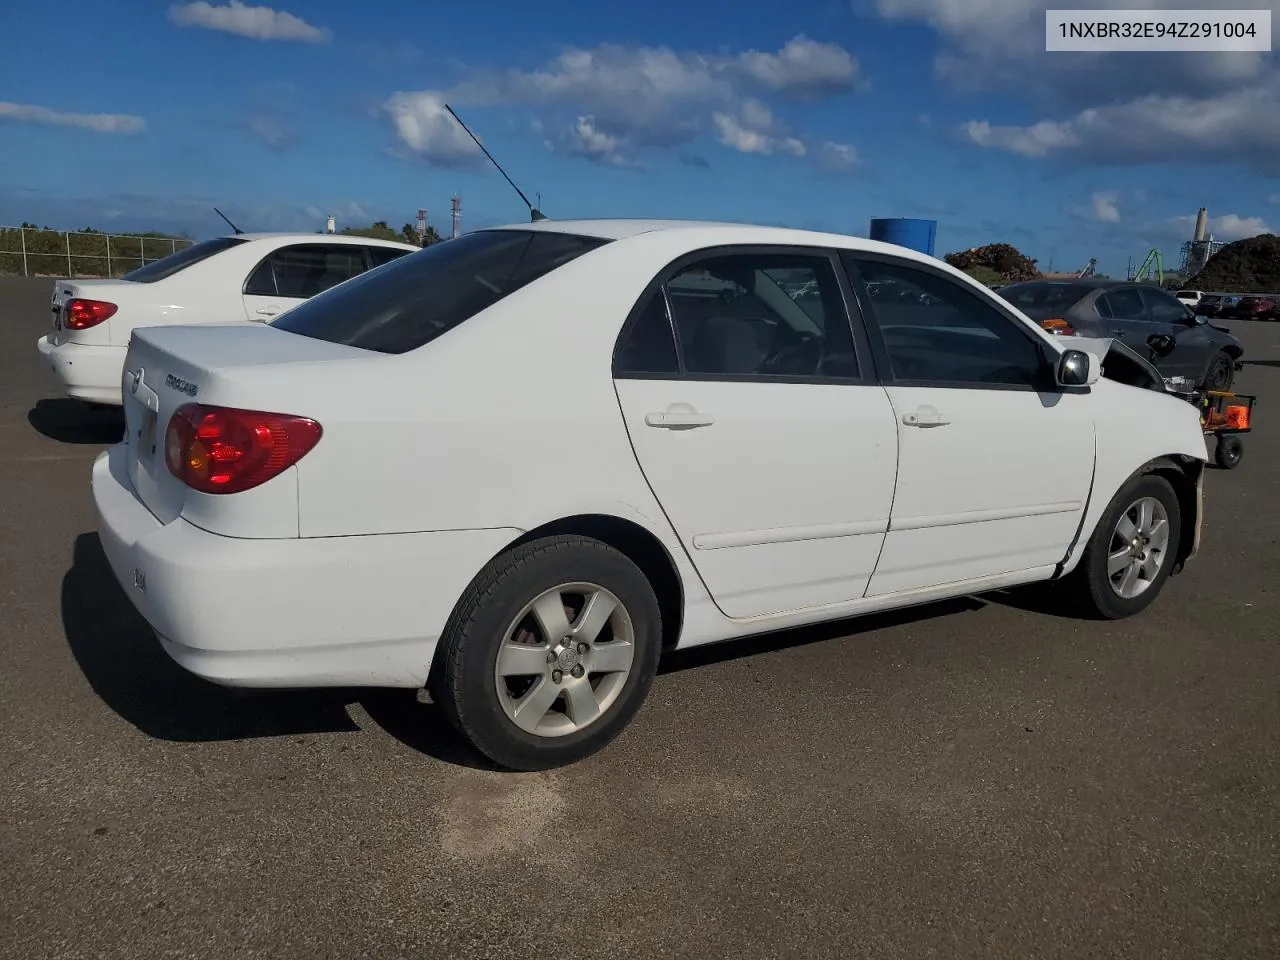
{"x":1221,"y":372}
{"x":1131,"y":552}
{"x":549,"y":654}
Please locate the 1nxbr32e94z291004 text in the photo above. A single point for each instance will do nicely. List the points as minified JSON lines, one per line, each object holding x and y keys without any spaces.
{"x":1143,"y":31}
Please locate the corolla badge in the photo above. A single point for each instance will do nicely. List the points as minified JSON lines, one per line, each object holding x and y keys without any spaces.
{"x":185,"y":386}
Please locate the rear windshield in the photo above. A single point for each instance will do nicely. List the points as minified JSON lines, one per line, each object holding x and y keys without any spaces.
{"x":181,"y":259}
{"x":1044,"y":301}
{"x":411,"y":301}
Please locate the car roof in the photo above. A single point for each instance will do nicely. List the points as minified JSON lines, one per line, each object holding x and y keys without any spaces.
{"x":326,"y":237}
{"x":715,"y":230}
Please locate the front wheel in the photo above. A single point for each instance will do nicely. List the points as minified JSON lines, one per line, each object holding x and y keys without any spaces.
{"x":1220,"y":373}
{"x":550,"y":653}
{"x":1131,"y":553}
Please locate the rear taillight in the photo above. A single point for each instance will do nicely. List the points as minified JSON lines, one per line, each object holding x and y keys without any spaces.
{"x":83,"y":314}
{"x":224,"y":450}
{"x":1059,"y":327}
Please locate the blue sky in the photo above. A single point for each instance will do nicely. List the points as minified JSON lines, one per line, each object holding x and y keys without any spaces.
{"x":816,"y":114}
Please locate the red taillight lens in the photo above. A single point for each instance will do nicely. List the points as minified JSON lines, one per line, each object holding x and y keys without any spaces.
{"x":223,"y":450}
{"x":83,"y":314}
{"x":1059,"y":327}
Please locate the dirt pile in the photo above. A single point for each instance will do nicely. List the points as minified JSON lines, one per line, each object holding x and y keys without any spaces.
{"x":1002,"y":258}
{"x":1246,"y":266}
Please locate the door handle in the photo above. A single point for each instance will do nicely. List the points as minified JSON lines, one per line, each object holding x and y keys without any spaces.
{"x":1117,"y":333}
{"x":679,"y":421}
{"x":925,"y":418}
{"x":267,"y":311}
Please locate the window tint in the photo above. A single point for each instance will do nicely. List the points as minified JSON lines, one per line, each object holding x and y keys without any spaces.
{"x":305,"y":270}
{"x":181,"y":259}
{"x":1123,"y":304}
{"x":416,"y":299}
{"x":935,"y":330}
{"x":1164,"y":308}
{"x":381,"y":255}
{"x":649,"y":346}
{"x":767,"y":315}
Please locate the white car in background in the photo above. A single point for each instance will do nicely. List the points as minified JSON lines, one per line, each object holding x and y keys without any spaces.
{"x":517,"y":466}
{"x":249,"y":276}
{"x":1191,"y":298}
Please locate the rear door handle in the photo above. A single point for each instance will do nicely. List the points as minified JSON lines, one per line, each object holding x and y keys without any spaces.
{"x":267,"y":311}
{"x":925,"y":418}
{"x":679,"y":421}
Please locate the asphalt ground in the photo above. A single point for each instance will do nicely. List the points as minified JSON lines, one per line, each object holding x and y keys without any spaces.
{"x":973,"y":779}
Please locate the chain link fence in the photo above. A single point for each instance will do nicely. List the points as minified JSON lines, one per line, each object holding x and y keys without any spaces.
{"x":27,"y":251}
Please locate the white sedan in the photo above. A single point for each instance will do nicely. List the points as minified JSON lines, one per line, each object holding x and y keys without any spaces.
{"x":515,"y":467}
{"x":252,"y":276}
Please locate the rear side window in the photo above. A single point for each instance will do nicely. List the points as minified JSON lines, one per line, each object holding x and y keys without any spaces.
{"x":416,"y":299}
{"x":1123,"y":304}
{"x":181,"y":259}
{"x":1044,"y":301}
{"x":381,"y":255}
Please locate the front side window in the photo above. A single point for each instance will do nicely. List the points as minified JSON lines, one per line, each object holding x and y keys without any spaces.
{"x":1124,"y":304}
{"x":762,"y":315}
{"x":181,"y":259}
{"x":1164,"y":308}
{"x":937,"y":332}
{"x":415,"y":299}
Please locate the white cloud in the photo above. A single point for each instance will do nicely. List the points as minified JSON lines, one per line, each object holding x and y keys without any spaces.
{"x":658,"y":97}
{"x":585,"y":140}
{"x":838,"y":157}
{"x":803,"y":66}
{"x":425,"y":128}
{"x":256,"y":23}
{"x":1102,"y":207}
{"x":1274,"y":198}
{"x":97,"y":122}
{"x":275,"y":132}
{"x":1242,"y":126}
{"x":753,"y":129}
{"x":1227,"y":227}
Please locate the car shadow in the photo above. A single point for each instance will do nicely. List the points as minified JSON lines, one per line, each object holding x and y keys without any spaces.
{"x":1261,"y":363}
{"x":126,"y":667}
{"x":74,"y":421}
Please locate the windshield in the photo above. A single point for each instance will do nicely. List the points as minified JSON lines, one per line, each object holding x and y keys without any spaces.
{"x":181,"y":259}
{"x":409,"y":302}
{"x":1044,"y":301}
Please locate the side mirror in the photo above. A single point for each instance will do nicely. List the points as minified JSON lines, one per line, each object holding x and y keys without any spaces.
{"x":1161,"y":344}
{"x":1076,"y":368}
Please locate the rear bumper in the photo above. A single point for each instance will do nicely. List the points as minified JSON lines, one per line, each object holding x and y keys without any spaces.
{"x":311,"y":612}
{"x":89,"y":372}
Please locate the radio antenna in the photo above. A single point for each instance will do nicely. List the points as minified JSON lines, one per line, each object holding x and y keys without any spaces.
{"x":534,"y":213}
{"x":228,"y":219}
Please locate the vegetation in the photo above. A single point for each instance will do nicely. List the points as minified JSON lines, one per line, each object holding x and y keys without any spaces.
{"x":408,"y":233}
{"x":986,"y":276}
{"x":84,"y":253}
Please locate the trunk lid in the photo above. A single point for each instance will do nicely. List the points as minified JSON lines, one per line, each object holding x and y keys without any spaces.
{"x":167,"y":367}
{"x":65,"y":290}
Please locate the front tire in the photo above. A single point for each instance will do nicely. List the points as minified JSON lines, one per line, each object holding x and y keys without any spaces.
{"x":1221,"y":372}
{"x":1131,"y":553}
{"x":550,"y":653}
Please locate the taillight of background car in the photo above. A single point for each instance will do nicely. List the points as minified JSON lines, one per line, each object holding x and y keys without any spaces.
{"x":225,"y":450}
{"x":1058,"y":327}
{"x":83,"y":314}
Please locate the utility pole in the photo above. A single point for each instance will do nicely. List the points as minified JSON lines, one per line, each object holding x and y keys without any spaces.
{"x":456,"y":215}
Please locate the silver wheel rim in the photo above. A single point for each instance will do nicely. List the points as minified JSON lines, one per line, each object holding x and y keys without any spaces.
{"x":564,"y":659}
{"x":1139,"y":544}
